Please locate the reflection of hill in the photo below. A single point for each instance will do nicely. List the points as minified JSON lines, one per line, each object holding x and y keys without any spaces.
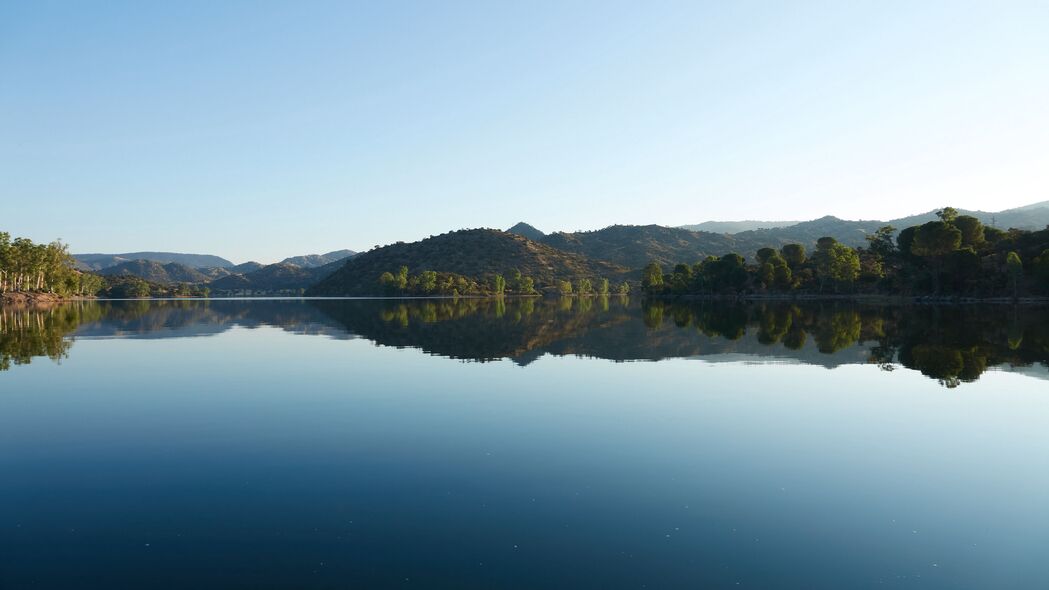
{"x":189,"y":317}
{"x":609,"y":328}
{"x":470,"y":329}
{"x":950,"y":344}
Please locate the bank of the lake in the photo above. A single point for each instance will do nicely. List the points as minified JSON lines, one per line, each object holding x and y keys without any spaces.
{"x":23,"y":298}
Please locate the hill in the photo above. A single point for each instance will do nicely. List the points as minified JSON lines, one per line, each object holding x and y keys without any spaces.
{"x":275,"y":279}
{"x":634,"y":246}
{"x":246,"y":267}
{"x":528,"y":231}
{"x":102,"y":261}
{"x":154,"y":272}
{"x":853,"y":233}
{"x":476,"y":253}
{"x":734,"y":227}
{"x":315,"y":260}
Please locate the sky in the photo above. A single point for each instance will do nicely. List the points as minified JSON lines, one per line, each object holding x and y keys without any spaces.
{"x":259,"y":130}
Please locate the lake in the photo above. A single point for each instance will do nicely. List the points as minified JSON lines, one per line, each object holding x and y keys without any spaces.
{"x":575,"y":443}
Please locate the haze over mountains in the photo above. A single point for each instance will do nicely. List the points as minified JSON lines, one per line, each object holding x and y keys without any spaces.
{"x":102,"y":261}
{"x":291,"y":275}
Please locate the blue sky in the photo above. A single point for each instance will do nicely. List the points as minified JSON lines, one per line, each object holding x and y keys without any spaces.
{"x":258,"y":130}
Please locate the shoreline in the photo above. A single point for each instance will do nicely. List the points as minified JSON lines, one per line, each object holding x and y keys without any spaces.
{"x":28,"y":299}
{"x":861,"y":298}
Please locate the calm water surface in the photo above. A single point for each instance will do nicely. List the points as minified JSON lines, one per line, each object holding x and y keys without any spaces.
{"x":523,"y":444}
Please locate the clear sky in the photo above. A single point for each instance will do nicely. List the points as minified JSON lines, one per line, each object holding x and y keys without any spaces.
{"x":258,"y":130}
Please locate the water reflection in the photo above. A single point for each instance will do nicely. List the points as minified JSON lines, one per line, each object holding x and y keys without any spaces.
{"x":952,"y":344}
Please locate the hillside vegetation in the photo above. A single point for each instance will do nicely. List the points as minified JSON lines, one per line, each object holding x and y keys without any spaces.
{"x":633,"y":246}
{"x":155,"y":272}
{"x":952,"y":255}
{"x":477,"y":255}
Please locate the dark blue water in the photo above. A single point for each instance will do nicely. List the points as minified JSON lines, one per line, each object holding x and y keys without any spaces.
{"x":363,"y":445}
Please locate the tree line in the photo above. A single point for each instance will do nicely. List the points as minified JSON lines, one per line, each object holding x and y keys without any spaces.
{"x":26,"y":266}
{"x":955,"y":255}
{"x":49,"y":268}
{"x":433,"y":283}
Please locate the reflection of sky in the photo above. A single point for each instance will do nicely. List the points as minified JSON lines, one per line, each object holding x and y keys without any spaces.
{"x":257,"y":442}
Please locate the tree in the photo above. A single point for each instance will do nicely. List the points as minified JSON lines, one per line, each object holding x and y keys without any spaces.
{"x":947,"y":215}
{"x":499,"y":284}
{"x":388,"y":283}
{"x":972,"y":230}
{"x":584,"y":287}
{"x":402,"y":278}
{"x":526,"y":286}
{"x":794,"y":254}
{"x":652,"y":278}
{"x":881,"y":242}
{"x":774,"y":270}
{"x":933,"y":241}
{"x":836,"y":263}
{"x":764,"y":254}
{"x":681,"y":279}
{"x":428,"y":281}
{"x":1015,"y":268}
{"x":623,"y":288}
{"x":565,"y":287}
{"x":905,"y":241}
{"x":1041,"y":268}
{"x":602,"y":286}
{"x":726,"y":273}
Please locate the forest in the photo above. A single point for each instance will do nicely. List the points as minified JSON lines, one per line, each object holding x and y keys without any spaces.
{"x":26,"y":266}
{"x":953,"y":256}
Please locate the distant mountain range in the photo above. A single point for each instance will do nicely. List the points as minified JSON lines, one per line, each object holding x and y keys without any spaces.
{"x":735,"y":227}
{"x":290,"y":276}
{"x":99,"y":262}
{"x":279,"y":278}
{"x":1029,"y":217}
{"x":103,"y":261}
{"x":615,"y":252}
{"x":636,"y":245}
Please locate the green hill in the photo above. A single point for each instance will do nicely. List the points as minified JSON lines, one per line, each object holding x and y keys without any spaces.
{"x":155,"y":272}
{"x":478,"y":254}
{"x":634,"y":246}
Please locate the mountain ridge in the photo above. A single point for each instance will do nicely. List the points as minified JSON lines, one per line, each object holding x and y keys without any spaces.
{"x":478,"y":254}
{"x":97,"y":261}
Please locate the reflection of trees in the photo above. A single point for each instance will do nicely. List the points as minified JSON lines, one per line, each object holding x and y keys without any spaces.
{"x":837,"y":330}
{"x":952,"y":344}
{"x":36,"y":332}
{"x":775,"y":324}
